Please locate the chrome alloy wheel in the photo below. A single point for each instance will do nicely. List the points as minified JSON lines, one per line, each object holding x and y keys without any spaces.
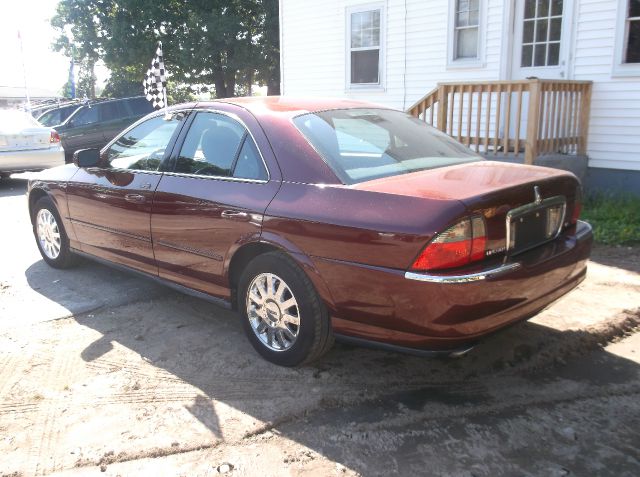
{"x":273,"y":312}
{"x":48,"y":233}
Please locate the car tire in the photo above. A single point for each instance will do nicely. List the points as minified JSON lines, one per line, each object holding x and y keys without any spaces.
{"x":273,"y":293}
{"x":50,"y":235}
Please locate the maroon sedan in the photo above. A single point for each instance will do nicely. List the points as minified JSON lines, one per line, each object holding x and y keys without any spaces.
{"x":318,"y":219}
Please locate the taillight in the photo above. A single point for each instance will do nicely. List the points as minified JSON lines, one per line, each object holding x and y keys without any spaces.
{"x":55,"y":137}
{"x":575,"y":215}
{"x":459,"y":245}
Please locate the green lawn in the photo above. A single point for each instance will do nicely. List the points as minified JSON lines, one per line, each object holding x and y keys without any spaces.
{"x":615,"y":218}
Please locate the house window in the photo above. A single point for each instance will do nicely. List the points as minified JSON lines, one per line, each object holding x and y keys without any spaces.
{"x":627,"y":52}
{"x":632,"y":32}
{"x":365,"y":28}
{"x":541,"y":33}
{"x":466,"y":29}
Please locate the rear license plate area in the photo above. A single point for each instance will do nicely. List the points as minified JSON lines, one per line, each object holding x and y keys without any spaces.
{"x":534,"y":224}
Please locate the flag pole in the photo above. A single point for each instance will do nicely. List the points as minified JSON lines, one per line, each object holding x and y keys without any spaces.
{"x":24,"y":74}
{"x":164,"y":88}
{"x":166,"y":104}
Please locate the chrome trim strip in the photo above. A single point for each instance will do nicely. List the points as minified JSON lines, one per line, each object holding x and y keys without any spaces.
{"x":466,"y":278}
{"x":110,"y":230}
{"x":195,"y":251}
{"x":217,"y":178}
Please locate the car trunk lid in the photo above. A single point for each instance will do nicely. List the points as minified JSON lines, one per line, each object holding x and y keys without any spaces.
{"x":26,"y":139}
{"x":516,"y":201}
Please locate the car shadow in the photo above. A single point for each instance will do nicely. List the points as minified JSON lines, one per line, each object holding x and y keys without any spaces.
{"x":198,"y":343}
{"x":10,"y":187}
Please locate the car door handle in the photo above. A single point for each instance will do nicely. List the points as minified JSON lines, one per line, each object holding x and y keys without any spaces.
{"x":234,"y":215}
{"x":135,"y":198}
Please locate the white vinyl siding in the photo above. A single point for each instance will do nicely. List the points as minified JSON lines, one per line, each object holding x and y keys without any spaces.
{"x":614,"y":142}
{"x":314,"y":56}
{"x":417,"y":55}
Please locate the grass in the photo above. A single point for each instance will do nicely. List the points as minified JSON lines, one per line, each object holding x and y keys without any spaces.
{"x":615,"y":218}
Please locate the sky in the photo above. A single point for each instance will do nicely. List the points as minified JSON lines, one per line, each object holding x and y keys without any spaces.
{"x":45,"y":68}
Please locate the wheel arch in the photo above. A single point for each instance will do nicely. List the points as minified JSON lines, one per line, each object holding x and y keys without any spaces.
{"x":34,"y":196}
{"x":249,"y":251}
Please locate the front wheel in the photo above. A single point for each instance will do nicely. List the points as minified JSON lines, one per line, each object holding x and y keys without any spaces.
{"x":283,"y":317}
{"x":50,"y":235}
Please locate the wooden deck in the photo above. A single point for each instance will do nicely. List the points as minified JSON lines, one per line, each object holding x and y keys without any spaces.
{"x":533,"y":117}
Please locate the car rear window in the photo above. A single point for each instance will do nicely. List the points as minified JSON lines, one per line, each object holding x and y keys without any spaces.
{"x":365,"y":144}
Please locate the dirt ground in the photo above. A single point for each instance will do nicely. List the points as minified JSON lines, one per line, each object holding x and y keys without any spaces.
{"x":106,"y":373}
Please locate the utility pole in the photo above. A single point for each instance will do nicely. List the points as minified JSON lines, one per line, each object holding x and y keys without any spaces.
{"x":24,"y":73}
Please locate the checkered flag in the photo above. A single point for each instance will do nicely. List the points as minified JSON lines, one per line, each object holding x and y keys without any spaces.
{"x":155,"y":81}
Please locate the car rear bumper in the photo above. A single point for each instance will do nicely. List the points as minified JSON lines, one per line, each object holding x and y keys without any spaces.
{"x":31,"y":160}
{"x":447,"y":312}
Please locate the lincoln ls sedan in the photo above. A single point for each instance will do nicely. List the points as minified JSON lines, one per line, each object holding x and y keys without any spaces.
{"x":320,"y":219}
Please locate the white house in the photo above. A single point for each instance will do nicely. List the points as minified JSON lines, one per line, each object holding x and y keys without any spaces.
{"x":394,"y":52}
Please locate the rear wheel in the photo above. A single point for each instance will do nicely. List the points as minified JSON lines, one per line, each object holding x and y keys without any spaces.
{"x":283,"y":316}
{"x":50,"y":235}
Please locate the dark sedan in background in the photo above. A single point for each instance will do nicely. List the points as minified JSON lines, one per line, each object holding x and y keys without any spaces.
{"x":318,"y":219}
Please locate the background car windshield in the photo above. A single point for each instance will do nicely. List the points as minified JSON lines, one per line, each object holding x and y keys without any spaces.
{"x":365,"y":144}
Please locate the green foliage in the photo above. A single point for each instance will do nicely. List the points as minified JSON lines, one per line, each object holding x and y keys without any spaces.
{"x":224,"y":45}
{"x":615,"y":218}
{"x":122,"y":84}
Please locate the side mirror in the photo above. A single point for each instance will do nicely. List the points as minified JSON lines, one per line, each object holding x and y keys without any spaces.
{"x":86,"y":158}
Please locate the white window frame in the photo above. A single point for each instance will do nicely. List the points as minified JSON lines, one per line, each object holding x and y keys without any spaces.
{"x":367,"y":7}
{"x":479,"y":60}
{"x":620,"y":68}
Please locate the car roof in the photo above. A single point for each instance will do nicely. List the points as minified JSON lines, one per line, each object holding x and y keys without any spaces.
{"x":288,"y":105}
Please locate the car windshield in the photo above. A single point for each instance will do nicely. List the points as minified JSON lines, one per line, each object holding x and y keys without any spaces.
{"x":14,"y":120}
{"x":364,"y":144}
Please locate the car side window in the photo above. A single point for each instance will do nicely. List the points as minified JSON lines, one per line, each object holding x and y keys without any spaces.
{"x":113,"y":110}
{"x":137,"y":106}
{"x":217,"y":145}
{"x":87,"y":115}
{"x":249,"y":164}
{"x":211,"y":146}
{"x":143,"y":147}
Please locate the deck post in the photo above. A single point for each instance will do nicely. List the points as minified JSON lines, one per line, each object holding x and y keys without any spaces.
{"x":533,"y":122}
{"x":443,"y":107}
{"x":585,"y":113}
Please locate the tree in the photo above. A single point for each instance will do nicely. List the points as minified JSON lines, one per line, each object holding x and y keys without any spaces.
{"x":226,"y":44}
{"x":79,"y":37}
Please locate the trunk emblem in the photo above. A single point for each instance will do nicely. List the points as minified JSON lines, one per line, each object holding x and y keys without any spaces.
{"x":536,"y":191}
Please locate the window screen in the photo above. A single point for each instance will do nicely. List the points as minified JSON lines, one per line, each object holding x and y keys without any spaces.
{"x":467,"y":23}
{"x":365,"y":47}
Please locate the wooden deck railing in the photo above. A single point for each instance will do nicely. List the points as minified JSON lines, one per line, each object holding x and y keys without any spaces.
{"x":535,"y":116}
